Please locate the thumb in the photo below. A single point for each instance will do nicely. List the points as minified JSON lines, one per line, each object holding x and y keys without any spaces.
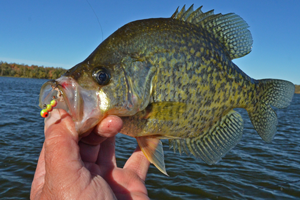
{"x":62,"y":158}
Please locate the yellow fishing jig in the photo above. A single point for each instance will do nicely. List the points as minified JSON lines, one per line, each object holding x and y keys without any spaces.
{"x":48,"y":108}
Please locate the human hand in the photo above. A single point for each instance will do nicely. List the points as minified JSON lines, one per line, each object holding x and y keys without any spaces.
{"x":74,"y":168}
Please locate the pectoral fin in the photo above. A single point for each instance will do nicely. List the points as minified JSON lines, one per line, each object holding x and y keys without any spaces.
{"x":153,"y":150}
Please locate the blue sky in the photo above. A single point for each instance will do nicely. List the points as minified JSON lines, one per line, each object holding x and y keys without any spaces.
{"x":62,"y":33}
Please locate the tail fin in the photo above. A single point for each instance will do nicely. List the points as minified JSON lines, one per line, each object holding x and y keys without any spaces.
{"x":276,"y":93}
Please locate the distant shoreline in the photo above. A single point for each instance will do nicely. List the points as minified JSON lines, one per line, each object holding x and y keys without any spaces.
{"x":40,"y":72}
{"x":23,"y":77}
{"x":29,"y":71}
{"x":297,"y":87}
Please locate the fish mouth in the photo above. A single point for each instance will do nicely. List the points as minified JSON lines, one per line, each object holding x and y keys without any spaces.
{"x":80,"y":103}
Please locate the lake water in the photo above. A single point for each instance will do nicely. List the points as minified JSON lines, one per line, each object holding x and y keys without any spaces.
{"x":251,"y":170}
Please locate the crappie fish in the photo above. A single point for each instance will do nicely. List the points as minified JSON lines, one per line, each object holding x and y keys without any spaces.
{"x":173,"y":78}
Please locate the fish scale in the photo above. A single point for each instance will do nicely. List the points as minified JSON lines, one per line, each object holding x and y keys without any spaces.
{"x":173,"y":78}
{"x":210,"y":70}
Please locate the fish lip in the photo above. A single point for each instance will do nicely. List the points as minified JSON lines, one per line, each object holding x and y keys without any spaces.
{"x":53,"y":89}
{"x":81,"y":104}
{"x":47,"y":92}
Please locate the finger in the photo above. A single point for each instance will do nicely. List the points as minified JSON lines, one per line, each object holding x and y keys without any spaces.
{"x":54,"y":117}
{"x":89,"y":145}
{"x":93,"y":139}
{"x":107,"y":157}
{"x":89,"y":153}
{"x":39,"y":177}
{"x":108,"y":127}
{"x":138,"y":163}
{"x":62,"y":159}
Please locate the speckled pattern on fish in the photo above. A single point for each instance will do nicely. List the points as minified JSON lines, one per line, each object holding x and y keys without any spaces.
{"x":173,"y":78}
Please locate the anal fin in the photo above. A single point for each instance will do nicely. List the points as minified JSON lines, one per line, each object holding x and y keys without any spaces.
{"x":213,"y":144}
{"x":153,"y":150}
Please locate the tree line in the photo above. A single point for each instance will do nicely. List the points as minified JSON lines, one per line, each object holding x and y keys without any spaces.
{"x":297,"y":89}
{"x":30,"y":71}
{"x":34,"y":71}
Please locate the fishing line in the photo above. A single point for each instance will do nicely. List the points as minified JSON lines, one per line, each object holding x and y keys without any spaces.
{"x":37,"y":102}
{"x":96,"y":17}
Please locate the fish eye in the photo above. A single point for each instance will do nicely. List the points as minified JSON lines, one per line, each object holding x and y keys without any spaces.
{"x":101,"y":75}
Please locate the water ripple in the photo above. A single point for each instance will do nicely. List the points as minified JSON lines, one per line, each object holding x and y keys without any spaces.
{"x":252,"y":170}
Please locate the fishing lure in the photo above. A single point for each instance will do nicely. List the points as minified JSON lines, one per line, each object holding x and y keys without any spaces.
{"x":48,"y":108}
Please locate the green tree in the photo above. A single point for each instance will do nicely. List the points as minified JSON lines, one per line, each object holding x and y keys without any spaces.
{"x":297,"y":89}
{"x":33,"y":71}
{"x":2,"y":68}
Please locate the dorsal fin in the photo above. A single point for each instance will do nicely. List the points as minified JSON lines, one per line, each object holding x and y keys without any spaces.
{"x":230,"y":29}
